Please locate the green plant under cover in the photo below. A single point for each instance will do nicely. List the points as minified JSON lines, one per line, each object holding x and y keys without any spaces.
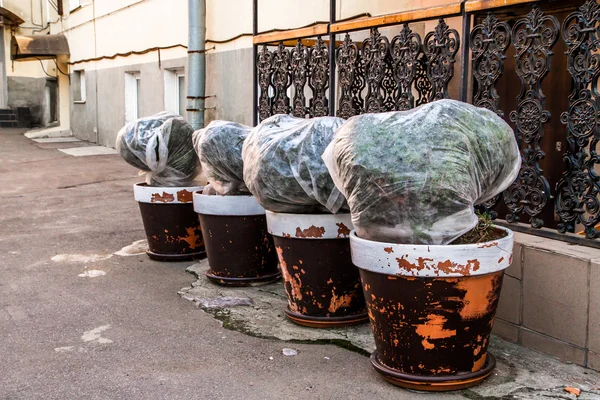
{"x":484,"y":231}
{"x":414,"y":176}
{"x":283,"y":168}
{"x":161,"y":145}
{"x":219,"y":148}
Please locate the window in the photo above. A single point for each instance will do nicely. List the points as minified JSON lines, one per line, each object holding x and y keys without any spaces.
{"x":78,"y":85}
{"x":181,"y":94}
{"x":133,"y":96}
{"x":175,"y":91}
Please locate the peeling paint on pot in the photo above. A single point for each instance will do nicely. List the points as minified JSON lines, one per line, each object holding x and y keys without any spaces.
{"x":309,"y":226}
{"x":433,"y":261}
{"x":432,"y":309}
{"x":322,"y":285}
{"x":172,"y":227}
{"x":164,"y":195}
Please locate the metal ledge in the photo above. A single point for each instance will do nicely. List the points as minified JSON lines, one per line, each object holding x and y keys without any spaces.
{"x":422,"y":14}
{"x":278,"y":36}
{"x":38,"y":47}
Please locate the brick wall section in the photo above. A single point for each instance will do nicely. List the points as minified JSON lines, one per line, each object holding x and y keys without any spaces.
{"x":550,"y":300}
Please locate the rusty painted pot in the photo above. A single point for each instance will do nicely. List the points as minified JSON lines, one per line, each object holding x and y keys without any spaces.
{"x":171,"y":225}
{"x":432,"y":309}
{"x":322,"y":285}
{"x":239,"y":248}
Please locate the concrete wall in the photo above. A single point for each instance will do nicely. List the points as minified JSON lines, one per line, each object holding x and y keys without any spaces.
{"x":550,"y":300}
{"x":26,"y":80}
{"x":104,"y":106}
{"x":28,"y":92}
{"x":232,"y":87}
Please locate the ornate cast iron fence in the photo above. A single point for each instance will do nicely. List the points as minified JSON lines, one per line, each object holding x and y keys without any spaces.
{"x":534,"y":63}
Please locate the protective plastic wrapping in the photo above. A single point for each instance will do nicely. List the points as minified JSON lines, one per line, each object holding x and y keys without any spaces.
{"x":219,"y":148}
{"x":283,"y":167}
{"x":161,"y":145}
{"x":413,"y":177}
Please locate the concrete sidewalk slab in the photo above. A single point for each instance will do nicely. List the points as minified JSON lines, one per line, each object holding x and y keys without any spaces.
{"x":88,"y":151}
{"x":52,"y":132}
{"x":57,"y":140}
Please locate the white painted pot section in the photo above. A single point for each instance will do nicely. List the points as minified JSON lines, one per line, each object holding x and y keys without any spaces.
{"x":226,"y":205}
{"x":432,"y":261}
{"x":164,"y":195}
{"x":309,"y":226}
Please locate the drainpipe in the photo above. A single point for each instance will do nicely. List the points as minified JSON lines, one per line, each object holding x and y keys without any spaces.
{"x":196,"y":62}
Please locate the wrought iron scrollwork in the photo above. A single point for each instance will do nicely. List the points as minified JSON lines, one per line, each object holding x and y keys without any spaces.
{"x":488,"y":42}
{"x":422,"y":82}
{"x":347,"y":63}
{"x":319,"y":79}
{"x":405,"y":52}
{"x":533,"y":38}
{"x":281,"y":80}
{"x":299,"y":63}
{"x":441,"y":47}
{"x":263,"y":66}
{"x":389,"y":86}
{"x":579,"y":186}
{"x":375,"y":51}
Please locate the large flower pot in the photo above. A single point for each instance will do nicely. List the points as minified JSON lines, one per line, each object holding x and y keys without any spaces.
{"x":171,"y":225}
{"x":432,"y":309}
{"x":322,"y":285}
{"x":240,"y":250}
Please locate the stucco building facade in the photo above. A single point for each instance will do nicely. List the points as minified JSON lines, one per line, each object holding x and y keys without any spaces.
{"x":128,"y":58}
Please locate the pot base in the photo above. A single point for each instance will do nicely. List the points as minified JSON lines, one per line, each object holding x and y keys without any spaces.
{"x":241,"y":282}
{"x":325,"y":322}
{"x":434,"y":383}
{"x":176,"y":257}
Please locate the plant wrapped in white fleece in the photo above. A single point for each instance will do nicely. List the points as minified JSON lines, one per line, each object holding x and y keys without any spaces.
{"x":413,"y":177}
{"x":283,"y":167}
{"x":219,"y":148}
{"x":162,"y":146}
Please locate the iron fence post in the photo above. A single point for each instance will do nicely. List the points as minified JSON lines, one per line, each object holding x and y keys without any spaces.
{"x":464,"y":59}
{"x":332,"y":6}
{"x":254,"y":56}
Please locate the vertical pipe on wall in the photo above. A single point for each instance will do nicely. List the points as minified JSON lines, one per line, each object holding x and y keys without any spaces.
{"x":332,"y":11}
{"x":254,"y":71}
{"x":196,"y":62}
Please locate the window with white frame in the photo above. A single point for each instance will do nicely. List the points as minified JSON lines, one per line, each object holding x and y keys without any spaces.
{"x":133,"y":96}
{"x":78,"y":85}
{"x":175,"y":98}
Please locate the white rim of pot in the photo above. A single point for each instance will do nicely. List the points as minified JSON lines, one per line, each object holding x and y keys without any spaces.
{"x":433,"y":261}
{"x":164,"y":195}
{"x":226,"y":205}
{"x":309,"y":226}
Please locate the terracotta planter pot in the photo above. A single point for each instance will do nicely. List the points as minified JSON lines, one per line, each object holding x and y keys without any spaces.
{"x":322,"y":285}
{"x":432,"y":309}
{"x":171,"y":225}
{"x":239,"y":248}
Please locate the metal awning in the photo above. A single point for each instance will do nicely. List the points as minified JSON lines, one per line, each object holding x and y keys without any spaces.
{"x":38,"y":47}
{"x":9,"y":17}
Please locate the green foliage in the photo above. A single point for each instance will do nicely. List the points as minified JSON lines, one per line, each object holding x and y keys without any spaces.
{"x":219,"y":148}
{"x":414,"y":176}
{"x":283,"y":167}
